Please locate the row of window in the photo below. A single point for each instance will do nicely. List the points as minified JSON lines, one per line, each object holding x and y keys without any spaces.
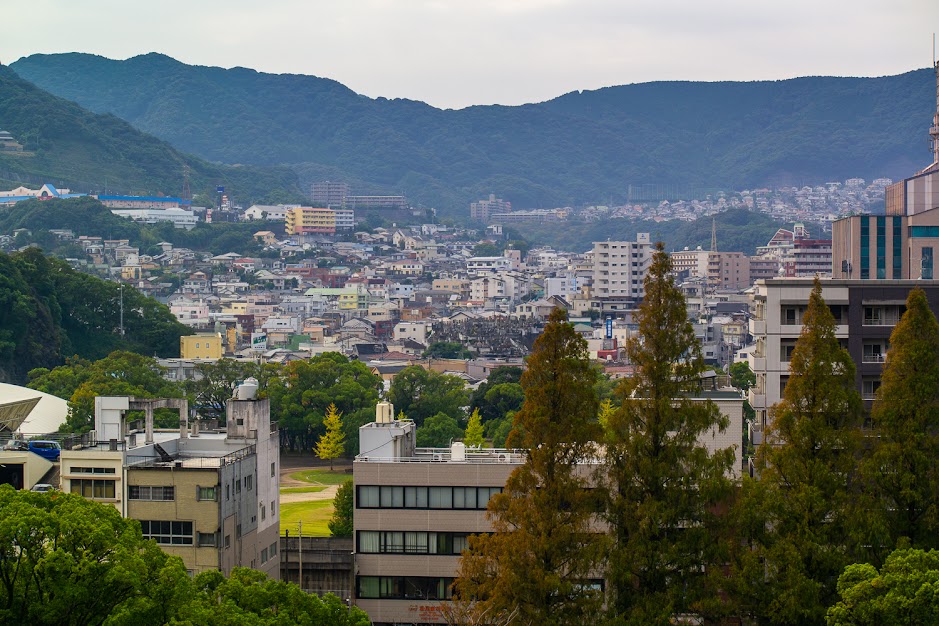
{"x":404,"y":587}
{"x":393,"y":497}
{"x":268,"y":553}
{"x":408,"y":542}
{"x":92,"y":470}
{"x":93,"y":488}
{"x":168,"y":533}
{"x":147,"y":492}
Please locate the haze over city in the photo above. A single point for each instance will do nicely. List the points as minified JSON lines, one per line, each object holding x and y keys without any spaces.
{"x":458,"y":54}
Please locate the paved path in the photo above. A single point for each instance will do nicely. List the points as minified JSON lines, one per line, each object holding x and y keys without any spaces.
{"x":290,"y":465}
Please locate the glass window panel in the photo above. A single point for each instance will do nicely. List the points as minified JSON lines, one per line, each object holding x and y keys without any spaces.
{"x":368,"y":587}
{"x":369,"y":541}
{"x":441,"y":497}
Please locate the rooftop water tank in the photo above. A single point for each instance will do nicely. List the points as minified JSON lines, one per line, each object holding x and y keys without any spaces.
{"x":247,"y":390}
{"x":458,"y":451}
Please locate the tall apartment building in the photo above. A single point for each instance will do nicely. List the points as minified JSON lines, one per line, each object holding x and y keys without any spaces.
{"x":210,"y":498}
{"x":866,"y":312}
{"x":728,"y":270}
{"x":416,"y":507}
{"x":329,"y":194}
{"x":690,"y":263}
{"x":619,"y":269}
{"x":482,"y":210}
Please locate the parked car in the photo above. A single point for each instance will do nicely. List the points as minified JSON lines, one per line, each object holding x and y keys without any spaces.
{"x":16,"y":445}
{"x":49,"y":450}
{"x":42,"y":487}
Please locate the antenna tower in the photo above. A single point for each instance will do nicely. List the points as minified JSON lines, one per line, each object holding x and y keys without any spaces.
{"x":713,"y":234}
{"x":934,"y":129}
{"x":187,"y":192}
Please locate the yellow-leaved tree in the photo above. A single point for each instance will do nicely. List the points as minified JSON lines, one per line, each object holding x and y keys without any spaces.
{"x":332,"y":444}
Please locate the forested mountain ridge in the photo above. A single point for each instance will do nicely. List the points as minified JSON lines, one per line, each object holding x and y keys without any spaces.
{"x":49,"y":312}
{"x":578,"y":148}
{"x":72,"y":147}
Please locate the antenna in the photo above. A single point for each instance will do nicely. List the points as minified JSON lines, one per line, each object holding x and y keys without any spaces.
{"x":122,"y":308}
{"x":934,"y":129}
{"x":713,"y":234}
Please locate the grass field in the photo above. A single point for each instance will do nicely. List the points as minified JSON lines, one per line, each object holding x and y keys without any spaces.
{"x":314,"y":515}
{"x":310,"y":489}
{"x":322,"y":477}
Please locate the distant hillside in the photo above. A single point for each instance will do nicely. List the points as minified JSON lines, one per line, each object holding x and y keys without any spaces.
{"x":738,"y":230}
{"x":49,"y":312}
{"x":75,"y":148}
{"x":583,"y":147}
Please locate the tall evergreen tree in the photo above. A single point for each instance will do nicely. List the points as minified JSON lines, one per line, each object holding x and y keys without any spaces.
{"x":536,"y":566}
{"x":662,"y":484}
{"x":905,"y":415}
{"x":799,"y":519}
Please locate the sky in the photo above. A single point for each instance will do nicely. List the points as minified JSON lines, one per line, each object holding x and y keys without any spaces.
{"x":458,"y":53}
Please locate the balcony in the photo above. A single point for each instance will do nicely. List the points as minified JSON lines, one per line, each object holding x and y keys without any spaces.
{"x":758,"y":363}
{"x":757,"y":400}
{"x":757,"y":327}
{"x":873,"y":358}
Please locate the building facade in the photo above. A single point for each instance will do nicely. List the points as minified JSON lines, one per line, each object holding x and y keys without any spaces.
{"x":619,"y":270}
{"x":329,"y":194}
{"x":482,"y":210}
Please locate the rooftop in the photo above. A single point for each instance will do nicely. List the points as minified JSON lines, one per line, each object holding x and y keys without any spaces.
{"x":473,"y":456}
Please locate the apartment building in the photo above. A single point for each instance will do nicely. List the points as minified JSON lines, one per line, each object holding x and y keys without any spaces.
{"x":866,"y":312}
{"x":201,"y":346}
{"x":329,"y":194}
{"x":309,"y":220}
{"x":728,"y":270}
{"x":482,"y":210}
{"x":210,"y":498}
{"x":619,"y":269}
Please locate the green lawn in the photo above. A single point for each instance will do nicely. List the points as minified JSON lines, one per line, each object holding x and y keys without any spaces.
{"x":314,"y":515}
{"x":310,"y":489}
{"x":322,"y":477}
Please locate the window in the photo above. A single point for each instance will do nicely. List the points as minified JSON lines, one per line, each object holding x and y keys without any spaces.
{"x":167,"y":532}
{"x":263,"y":512}
{"x":227,"y":541}
{"x":263,"y":556}
{"x":273,"y":465}
{"x":404,"y":587}
{"x":92,"y":470}
{"x":789,"y":316}
{"x":249,"y":482}
{"x":144,"y":492}
{"x":927,"y":264}
{"x":90,"y":488}
{"x":419,"y":542}
{"x":207,"y":540}
{"x":273,"y":550}
{"x":197,"y":344}
{"x":206,"y":493}
{"x":227,"y":493}
{"x":395,"y":497}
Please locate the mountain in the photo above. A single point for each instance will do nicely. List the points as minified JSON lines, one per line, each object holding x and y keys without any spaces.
{"x":72,"y":147}
{"x":581,"y":147}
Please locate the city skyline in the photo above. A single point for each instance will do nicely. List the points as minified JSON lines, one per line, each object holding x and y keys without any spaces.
{"x":453,"y":55}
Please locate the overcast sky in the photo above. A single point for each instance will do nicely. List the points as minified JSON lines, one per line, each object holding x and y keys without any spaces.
{"x":456,"y":53}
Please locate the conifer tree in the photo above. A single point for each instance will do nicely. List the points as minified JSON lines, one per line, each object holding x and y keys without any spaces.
{"x":474,"y":430}
{"x":537,"y":566}
{"x":332,"y":443}
{"x":662,"y":485}
{"x":800,"y":518}
{"x":903,"y":468}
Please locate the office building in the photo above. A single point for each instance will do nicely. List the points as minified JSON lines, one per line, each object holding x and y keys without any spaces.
{"x":869,"y":247}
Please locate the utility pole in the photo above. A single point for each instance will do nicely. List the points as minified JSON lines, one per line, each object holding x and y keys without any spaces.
{"x":122,"y":308}
{"x":300,"y":551}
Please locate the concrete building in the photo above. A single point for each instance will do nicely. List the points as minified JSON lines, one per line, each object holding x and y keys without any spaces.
{"x":482,"y":210}
{"x":416,"y":507}
{"x":866,"y":312}
{"x":309,"y":220}
{"x":375,"y":202}
{"x":210,"y":498}
{"x":869,"y":247}
{"x":329,"y":194}
{"x":202,"y":346}
{"x":180,"y":218}
{"x":619,"y":269}
{"x":728,"y":270}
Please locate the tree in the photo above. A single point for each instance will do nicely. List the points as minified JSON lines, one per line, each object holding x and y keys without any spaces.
{"x":904,"y":591}
{"x":800,"y":521}
{"x":331,"y":444}
{"x":421,"y":393}
{"x":304,"y":389}
{"x":662,"y":484}
{"x":498,"y":376}
{"x":541,"y":558}
{"x":741,"y":376}
{"x":68,"y":560}
{"x":210,"y":390}
{"x":341,"y":523}
{"x":474,"y":431}
{"x":438,"y":431}
{"x":447,"y":350}
{"x":118,"y":374}
{"x":902,"y":469}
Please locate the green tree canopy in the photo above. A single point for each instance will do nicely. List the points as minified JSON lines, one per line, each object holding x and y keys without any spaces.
{"x":741,"y":376}
{"x":447,"y":350}
{"x":904,"y":591}
{"x":421,"y":393}
{"x":340,"y":525}
{"x":304,"y":389}
{"x":438,"y":431}
{"x":474,"y":431}
{"x":498,"y":376}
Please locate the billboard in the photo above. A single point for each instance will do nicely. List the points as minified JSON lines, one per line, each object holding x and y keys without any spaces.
{"x":609,"y":328}
{"x":259,"y":341}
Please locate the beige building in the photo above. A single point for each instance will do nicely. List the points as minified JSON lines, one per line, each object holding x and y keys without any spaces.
{"x":619,"y":269}
{"x":886,"y":247}
{"x":210,"y":498}
{"x":202,"y":346}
